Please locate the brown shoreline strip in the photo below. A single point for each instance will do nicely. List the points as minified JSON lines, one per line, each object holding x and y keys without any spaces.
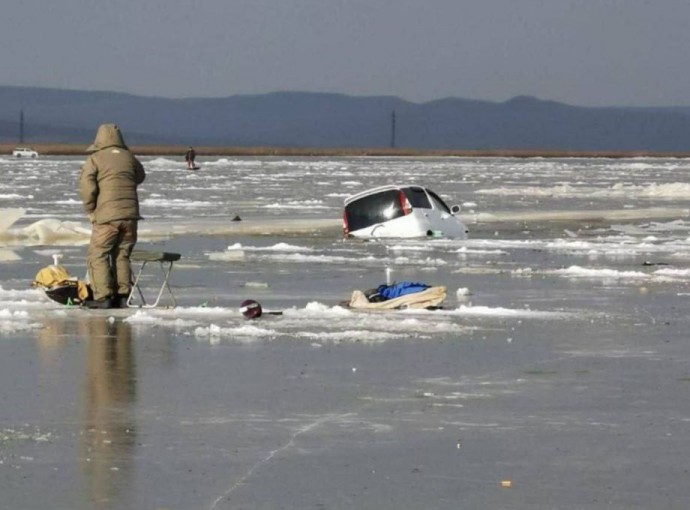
{"x":171,"y":150}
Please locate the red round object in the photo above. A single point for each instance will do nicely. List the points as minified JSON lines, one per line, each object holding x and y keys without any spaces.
{"x":250,"y":309}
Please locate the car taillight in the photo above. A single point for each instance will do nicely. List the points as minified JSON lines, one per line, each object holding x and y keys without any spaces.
{"x":404,"y":203}
{"x":346,"y":227}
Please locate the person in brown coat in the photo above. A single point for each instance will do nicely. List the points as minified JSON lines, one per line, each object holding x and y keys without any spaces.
{"x":189,"y":157}
{"x":108,"y":189}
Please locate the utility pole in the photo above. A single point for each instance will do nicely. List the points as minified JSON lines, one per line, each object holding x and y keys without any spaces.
{"x":21,"y":126}
{"x":393,"y":129}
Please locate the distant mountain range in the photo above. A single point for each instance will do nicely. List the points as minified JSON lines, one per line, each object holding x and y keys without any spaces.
{"x":300,"y":119}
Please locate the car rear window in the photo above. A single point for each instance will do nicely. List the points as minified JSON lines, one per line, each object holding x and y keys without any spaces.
{"x":373,"y":209}
{"x":417,"y":197}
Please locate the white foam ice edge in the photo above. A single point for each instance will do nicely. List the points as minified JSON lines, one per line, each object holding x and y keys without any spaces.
{"x":662,"y":275}
{"x":16,"y":309}
{"x":650,"y":239}
{"x":49,"y":231}
{"x":280,"y":247}
{"x":307,"y":258}
{"x":618,"y":190}
{"x":317,"y":322}
{"x":12,"y":321}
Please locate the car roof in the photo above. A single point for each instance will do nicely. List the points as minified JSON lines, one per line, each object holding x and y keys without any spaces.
{"x":379,"y":189}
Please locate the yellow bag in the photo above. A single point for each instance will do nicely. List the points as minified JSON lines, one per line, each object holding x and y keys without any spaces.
{"x":60,"y":286}
{"x":51,"y":276}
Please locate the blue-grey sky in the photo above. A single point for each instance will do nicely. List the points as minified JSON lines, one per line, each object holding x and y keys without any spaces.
{"x":584,"y":52}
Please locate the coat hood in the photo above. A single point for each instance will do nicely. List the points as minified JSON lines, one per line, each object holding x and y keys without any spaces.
{"x":108,"y":135}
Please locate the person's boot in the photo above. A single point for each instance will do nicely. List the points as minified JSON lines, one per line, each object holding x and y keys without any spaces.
{"x":121,"y":300}
{"x":99,"y":304}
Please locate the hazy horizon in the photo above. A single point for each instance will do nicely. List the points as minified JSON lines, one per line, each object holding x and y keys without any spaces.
{"x":318,"y":92}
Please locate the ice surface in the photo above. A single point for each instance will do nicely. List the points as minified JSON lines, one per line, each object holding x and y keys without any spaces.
{"x":539,"y":192}
{"x":564,"y":330}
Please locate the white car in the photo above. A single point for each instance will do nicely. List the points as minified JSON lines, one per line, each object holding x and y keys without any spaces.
{"x":24,"y":152}
{"x":401,"y":211}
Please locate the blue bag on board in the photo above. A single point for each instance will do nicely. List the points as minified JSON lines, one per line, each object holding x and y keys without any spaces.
{"x":400,"y":289}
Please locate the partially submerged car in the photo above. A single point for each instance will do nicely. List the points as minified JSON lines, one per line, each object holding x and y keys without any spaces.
{"x":24,"y":152}
{"x":400,"y":211}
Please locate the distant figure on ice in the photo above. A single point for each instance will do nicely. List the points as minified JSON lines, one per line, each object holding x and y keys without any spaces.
{"x":189,"y":158}
{"x":108,"y":189}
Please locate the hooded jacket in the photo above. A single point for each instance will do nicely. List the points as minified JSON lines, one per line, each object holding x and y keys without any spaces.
{"x":109,"y":178}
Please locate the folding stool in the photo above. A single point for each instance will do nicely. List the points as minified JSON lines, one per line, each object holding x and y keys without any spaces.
{"x":165,"y":262}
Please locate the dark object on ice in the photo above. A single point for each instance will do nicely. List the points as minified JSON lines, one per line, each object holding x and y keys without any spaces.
{"x":66,"y":295}
{"x":100,"y":304}
{"x":250,"y":309}
{"x":373,"y":295}
{"x":236,"y":218}
{"x":648,"y":263}
{"x":120,"y":301}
